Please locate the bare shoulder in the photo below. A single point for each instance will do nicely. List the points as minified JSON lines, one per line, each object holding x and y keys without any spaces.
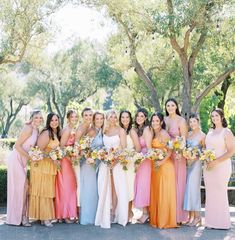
{"x":121,"y":130}
{"x":44,"y":134}
{"x":27,"y":129}
{"x":182,"y":120}
{"x":91,"y":132}
{"x":133,"y":132}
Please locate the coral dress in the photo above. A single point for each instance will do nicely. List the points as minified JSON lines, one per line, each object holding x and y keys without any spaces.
{"x":42,"y":186}
{"x":216,"y":184}
{"x":16,"y":181}
{"x":142,"y":180}
{"x":162,"y":208}
{"x":66,"y":188}
{"x":180,"y":174}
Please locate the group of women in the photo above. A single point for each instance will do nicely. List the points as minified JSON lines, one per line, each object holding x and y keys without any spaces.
{"x":100,"y":195}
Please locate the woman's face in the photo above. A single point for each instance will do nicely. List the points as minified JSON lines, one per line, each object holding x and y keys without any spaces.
{"x":37,"y":120}
{"x":54,"y":122}
{"x":140,"y":118}
{"x":125,"y":119}
{"x":99,"y":120}
{"x":156,"y":123}
{"x":73,"y":118}
{"x":113,"y":119}
{"x":171,"y":107}
{"x":216,"y":118}
{"x":194,"y":123}
{"x":87,"y":116}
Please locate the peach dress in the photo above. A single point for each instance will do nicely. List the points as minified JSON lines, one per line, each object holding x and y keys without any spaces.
{"x":216,"y":184}
{"x":42,"y":186}
{"x":163,"y":194}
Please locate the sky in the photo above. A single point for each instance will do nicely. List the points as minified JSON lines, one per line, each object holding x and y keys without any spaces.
{"x":73,"y":22}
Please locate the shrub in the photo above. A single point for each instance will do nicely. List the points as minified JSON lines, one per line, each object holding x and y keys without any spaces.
{"x":3,"y":184}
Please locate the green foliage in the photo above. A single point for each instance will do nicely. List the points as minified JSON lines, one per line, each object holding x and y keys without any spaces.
{"x":7,"y":142}
{"x":3,"y":184}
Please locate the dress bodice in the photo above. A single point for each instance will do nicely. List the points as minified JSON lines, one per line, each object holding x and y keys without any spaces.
{"x":143,"y":144}
{"x":216,"y":142}
{"x":193,"y":143}
{"x":157,"y":144}
{"x":129,"y":142}
{"x":111,"y":141}
{"x":97,"y":142}
{"x":52,"y":144}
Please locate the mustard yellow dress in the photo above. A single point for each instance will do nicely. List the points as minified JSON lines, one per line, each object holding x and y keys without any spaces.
{"x":42,"y":186}
{"x":163,"y":193}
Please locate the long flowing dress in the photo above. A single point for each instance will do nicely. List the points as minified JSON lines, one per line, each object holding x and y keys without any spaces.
{"x":192,"y":196}
{"x":142,"y":180}
{"x":89,"y":188}
{"x":42,"y":186}
{"x":216,"y":183}
{"x":162,"y":208}
{"x":77,"y":175}
{"x":130,"y":173}
{"x":180,"y":174}
{"x":16,"y":182}
{"x":105,"y":191}
{"x":66,"y":188}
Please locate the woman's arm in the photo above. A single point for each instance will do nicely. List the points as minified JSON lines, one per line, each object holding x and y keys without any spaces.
{"x":122,"y":135}
{"x":230,"y":146}
{"x":79,"y":133}
{"x":183,"y":128}
{"x":24,"y":135}
{"x":148,"y":137}
{"x":43,"y":140}
{"x":64,"y":137}
{"x":135,"y":140}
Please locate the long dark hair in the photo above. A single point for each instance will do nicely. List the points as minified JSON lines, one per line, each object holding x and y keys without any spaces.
{"x":223,"y":120}
{"x":161,"y":118}
{"x":177,"y":106}
{"x":48,"y":127}
{"x":130,"y":123}
{"x":140,"y":129}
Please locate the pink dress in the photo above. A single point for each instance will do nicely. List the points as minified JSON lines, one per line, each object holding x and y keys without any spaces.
{"x":16,"y":182}
{"x":180,"y":174}
{"x":142,"y":180}
{"x":66,"y":188}
{"x":216,"y":183}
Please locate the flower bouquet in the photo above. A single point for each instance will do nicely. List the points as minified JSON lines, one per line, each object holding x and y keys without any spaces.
{"x":56,"y":155}
{"x":207,"y":155}
{"x":138,"y":158}
{"x":73,"y":153}
{"x":191,"y":153}
{"x":35,"y":155}
{"x":156,"y":155}
{"x":177,"y":144}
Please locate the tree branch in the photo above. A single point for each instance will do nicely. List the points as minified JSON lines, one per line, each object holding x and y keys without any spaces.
{"x":187,"y":36}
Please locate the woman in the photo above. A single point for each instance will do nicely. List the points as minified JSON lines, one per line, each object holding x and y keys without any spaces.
{"x":125,"y":122}
{"x":66,"y":186}
{"x":192,"y":197}
{"x":112,"y":185}
{"x":42,"y":175}
{"x":82,"y":131}
{"x":163,"y":194}
{"x":17,"y":184}
{"x":88,"y":179}
{"x":217,"y":173}
{"x":143,"y":174}
{"x":176,"y":126}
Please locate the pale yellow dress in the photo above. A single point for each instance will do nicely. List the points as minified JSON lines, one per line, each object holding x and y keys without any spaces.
{"x":42,"y":186}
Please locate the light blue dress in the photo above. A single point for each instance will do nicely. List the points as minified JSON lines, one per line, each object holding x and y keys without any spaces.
{"x":192,"y":196}
{"x":88,"y":188}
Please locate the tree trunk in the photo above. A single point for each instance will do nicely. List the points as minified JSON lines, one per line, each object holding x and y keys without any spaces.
{"x":224,"y":88}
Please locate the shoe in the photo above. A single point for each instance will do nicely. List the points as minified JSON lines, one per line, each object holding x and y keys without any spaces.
{"x":25,"y":222}
{"x":144,"y":218}
{"x":112,"y":218}
{"x":47,"y":223}
{"x":196,"y":222}
{"x":68,"y":221}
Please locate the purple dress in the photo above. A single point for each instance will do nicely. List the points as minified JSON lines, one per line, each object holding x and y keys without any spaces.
{"x":16,"y":182}
{"x":142,"y":180}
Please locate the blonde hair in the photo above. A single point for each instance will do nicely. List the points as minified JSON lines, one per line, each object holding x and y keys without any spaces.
{"x":107,"y":117}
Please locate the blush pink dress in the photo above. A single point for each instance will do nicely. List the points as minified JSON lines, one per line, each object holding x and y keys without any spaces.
{"x":66,"y":188}
{"x":180,"y":174}
{"x":16,"y":182}
{"x":142,"y":180}
{"x":216,"y":183}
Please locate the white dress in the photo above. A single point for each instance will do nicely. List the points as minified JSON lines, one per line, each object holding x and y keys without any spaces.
{"x":105,"y":191}
{"x":130,"y":173}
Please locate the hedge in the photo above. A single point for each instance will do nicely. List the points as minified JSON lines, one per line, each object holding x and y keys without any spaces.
{"x":3,"y":184}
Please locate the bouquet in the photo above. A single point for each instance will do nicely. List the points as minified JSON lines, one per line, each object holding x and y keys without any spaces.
{"x":177,"y":144}
{"x":156,"y":155}
{"x":83,"y":145}
{"x":191,"y":153}
{"x":138,"y":159}
{"x":91,"y":157}
{"x":111,"y":157}
{"x":124,"y":158}
{"x":35,"y":154}
{"x":73,"y":153}
{"x":56,"y":155}
{"x":207,"y":155}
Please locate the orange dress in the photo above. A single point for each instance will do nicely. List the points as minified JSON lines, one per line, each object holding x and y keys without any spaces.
{"x":163,"y":193}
